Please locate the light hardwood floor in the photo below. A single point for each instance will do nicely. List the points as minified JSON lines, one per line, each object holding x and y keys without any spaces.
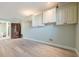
{"x":27,"y":48}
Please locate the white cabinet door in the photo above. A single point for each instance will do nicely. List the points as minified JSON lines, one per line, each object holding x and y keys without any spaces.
{"x":72,"y":13}
{"x":67,"y":14}
{"x":60,"y":16}
{"x":49,"y":16}
{"x":37,"y":20}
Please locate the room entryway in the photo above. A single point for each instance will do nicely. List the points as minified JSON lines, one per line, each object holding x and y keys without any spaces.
{"x":15,"y":30}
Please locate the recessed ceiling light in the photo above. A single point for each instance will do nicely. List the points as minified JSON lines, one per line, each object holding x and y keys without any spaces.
{"x":49,"y":3}
{"x":52,"y":4}
{"x":27,"y":12}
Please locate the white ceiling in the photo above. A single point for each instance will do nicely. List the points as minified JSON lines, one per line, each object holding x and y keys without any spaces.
{"x":13,"y":10}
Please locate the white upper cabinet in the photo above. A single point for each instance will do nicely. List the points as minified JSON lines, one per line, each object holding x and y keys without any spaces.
{"x":49,"y":16}
{"x":72,"y":14}
{"x":60,"y":16}
{"x":67,"y":14}
{"x":37,"y":20}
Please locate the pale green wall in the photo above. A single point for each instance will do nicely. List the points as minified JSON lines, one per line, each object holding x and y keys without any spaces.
{"x":63,"y":35}
{"x":77,"y":37}
{"x":77,"y":32}
{"x":3,"y":27}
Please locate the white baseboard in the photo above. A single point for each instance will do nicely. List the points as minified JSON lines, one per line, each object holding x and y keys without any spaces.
{"x":52,"y":44}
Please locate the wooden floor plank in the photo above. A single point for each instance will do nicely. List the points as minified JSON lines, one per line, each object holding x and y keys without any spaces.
{"x":28,"y":48}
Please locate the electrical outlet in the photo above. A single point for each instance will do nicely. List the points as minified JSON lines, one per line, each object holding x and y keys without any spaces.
{"x":50,"y":39}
